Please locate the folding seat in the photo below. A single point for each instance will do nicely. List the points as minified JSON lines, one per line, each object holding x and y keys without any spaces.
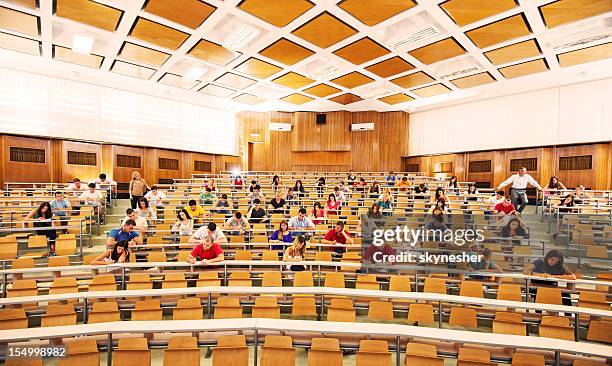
{"x":597,"y":251}
{"x":471,"y":289}
{"x":182,"y":256}
{"x":421,"y":313}
{"x":37,"y":242}
{"x":600,"y":331}
{"x":139,"y":281}
{"x":104,"y":312}
{"x":132,"y":352}
{"x":435,"y":285}
{"x":474,"y":357}
{"x":269,"y":255}
{"x":367,"y":282}
{"x":243,"y":255}
{"x":325,"y":351}
{"x":88,"y":258}
{"x":556,"y":327}
{"x":22,"y":288}
{"x":230,"y":351}
{"x":157,"y":257}
{"x":59,"y":314}
{"x":188,"y":309}
{"x":182,"y":351}
{"x":341,"y":310}
{"x":58,"y":262}
{"x":105,"y":282}
{"x":240,"y":278}
{"x":380,"y":310}
{"x":228,"y":308}
{"x":8,"y":247}
{"x":22,"y":263}
{"x":509,"y":323}
{"x":463,"y":317}
{"x":548,"y":295}
{"x":323,"y":257}
{"x":350,"y":257}
{"x":589,"y":362}
{"x":208,"y":279}
{"x":174,"y":280}
{"x":13,"y":319}
{"x":334,"y":279}
{"x":272,"y":279}
{"x":81,"y":352}
{"x":147,"y":310}
{"x":593,"y":300}
{"x":304,"y":307}
{"x":66,"y":246}
{"x":155,"y":239}
{"x":64,"y":285}
{"x":277,"y":350}
{"x":373,"y":353}
{"x":510,"y":292}
{"x":420,"y":354}
{"x":266,"y":307}
{"x":527,"y":359}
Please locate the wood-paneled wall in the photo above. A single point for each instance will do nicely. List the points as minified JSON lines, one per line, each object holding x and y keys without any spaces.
{"x":328,"y":147}
{"x":598,"y":177}
{"x":56,"y":168}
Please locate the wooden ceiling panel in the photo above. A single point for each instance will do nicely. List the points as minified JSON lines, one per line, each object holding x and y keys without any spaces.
{"x":286,"y":52}
{"x":514,"y":52}
{"x":568,"y":11}
{"x":19,"y":44}
{"x":372,"y":12}
{"x":143,"y":55}
{"x":217,"y":91}
{"x":126,"y":68}
{"x":389,"y":67}
{"x":352,"y":80}
{"x":526,"y":68}
{"x":473,"y":80}
{"x":412,"y":80}
{"x":322,"y":90}
{"x":277,"y":12}
{"x":89,"y":12}
{"x":257,"y":68}
{"x":500,"y":31}
{"x":297,"y":98}
{"x":293,"y":80}
{"x":177,"y":81}
{"x":235,"y":81}
{"x":68,"y":55}
{"x":190,"y":13}
{"x":19,"y":22}
{"x":361,"y":51}
{"x":248,"y":99}
{"x":158,"y":34}
{"x":595,"y":53}
{"x":438,"y":51}
{"x":347,"y":98}
{"x":324,"y":30}
{"x":212,"y":52}
{"x":464,"y":12}
{"x":396,"y":98}
{"x":32,"y":4}
{"x":431,"y":90}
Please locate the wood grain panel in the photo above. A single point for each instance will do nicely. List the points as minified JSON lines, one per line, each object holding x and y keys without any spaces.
{"x":129,"y":69}
{"x":278,"y":12}
{"x":567,"y":11}
{"x":68,"y":55}
{"x":286,"y":52}
{"x":346,"y":98}
{"x":32,"y":4}
{"x":390,"y":67}
{"x":365,"y":144}
{"x":19,"y":44}
{"x":324,"y":30}
{"x":481,"y":177}
{"x":212,"y":52}
{"x":153,"y":173}
{"x":412,"y":80}
{"x":293,"y":80}
{"x":322,"y":90}
{"x":352,"y":80}
{"x":84,"y":172}
{"x":375,"y":11}
{"x":257,"y":68}
{"x":26,"y":172}
{"x":500,"y":31}
{"x":588,"y":178}
{"x":396,"y":98}
{"x":190,"y":13}
{"x":361,"y":51}
{"x":148,"y":56}
{"x":430,"y":91}
{"x":89,"y":12}
{"x":590,"y":54}
{"x":464,"y":12}
{"x":438,"y":51}
{"x":525,"y":68}
{"x":191,"y":157}
{"x":235,"y":81}
{"x":158,"y":34}
{"x":297,"y":98}
{"x":122,"y":174}
{"x":473,"y":80}
{"x":18,"y":21}
{"x":514,"y":52}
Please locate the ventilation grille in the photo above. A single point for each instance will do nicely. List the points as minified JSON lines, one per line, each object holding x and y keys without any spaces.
{"x":81,"y":158}
{"x":482,"y":184}
{"x":584,"y":162}
{"x":231,"y":166}
{"x":460,"y":72}
{"x":325,"y":72}
{"x":443,"y":167}
{"x":27,"y":155}
{"x":165,"y":181}
{"x":168,"y":164}
{"x":128,"y":161}
{"x":529,"y":163}
{"x":413,"y":168}
{"x":202,"y":166}
{"x":480,"y":166}
{"x":418,"y":36}
{"x":583,"y":42}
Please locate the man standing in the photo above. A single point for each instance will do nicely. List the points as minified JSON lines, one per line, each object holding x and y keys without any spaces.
{"x":518,"y":192}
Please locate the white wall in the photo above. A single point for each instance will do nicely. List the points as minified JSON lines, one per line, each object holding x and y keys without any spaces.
{"x":38,"y":105}
{"x":578,"y":113}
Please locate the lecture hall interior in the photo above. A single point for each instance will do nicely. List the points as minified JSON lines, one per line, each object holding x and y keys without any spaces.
{"x":306,"y":182}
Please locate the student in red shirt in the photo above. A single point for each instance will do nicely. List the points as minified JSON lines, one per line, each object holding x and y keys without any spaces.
{"x":338,"y":236}
{"x":505,"y":207}
{"x":207,"y":251}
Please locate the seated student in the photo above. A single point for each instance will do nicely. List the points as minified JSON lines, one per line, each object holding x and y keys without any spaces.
{"x":76,"y":187}
{"x":317,"y":214}
{"x":206,"y":251}
{"x":209,"y":230}
{"x":256,"y":194}
{"x":281,"y":235}
{"x":472,"y":193}
{"x":420,"y":190}
{"x":252,"y":186}
{"x":95,"y":198}
{"x":554,"y":186}
{"x":339,"y":195}
{"x":59,"y":207}
{"x":361,"y":186}
{"x":439,"y":205}
{"x":42,"y":217}
{"x":301,"y":222}
{"x":320,"y":186}
{"x":403,"y":184}
{"x":296,"y":252}
{"x":580,"y":195}
{"x":155,"y":196}
{"x":211,"y":184}
{"x":374,"y":190}
{"x":370,"y":256}
{"x":385,"y":204}
{"x":141,"y":222}
{"x":332,"y":205}
{"x":144,"y":210}
{"x":289,"y":195}
{"x":440,"y":195}
{"x":495,"y":200}
{"x":238,"y":182}
{"x":183,"y":225}
{"x":256,"y":213}
{"x":106,"y":184}
{"x":505,"y":208}
{"x":237,"y":224}
{"x":351,"y":178}
{"x":277,"y":204}
{"x":223,"y":205}
{"x":125,"y":232}
{"x":339,"y":237}
{"x":120,"y":253}
{"x":551,"y":266}
{"x":277,"y":182}
{"x":194,"y":210}
{"x":453,"y":185}
{"x":513,"y":228}
{"x":298,"y":188}
{"x":486,"y":264}
{"x":344,"y":188}
{"x":207,"y":197}
{"x":390,"y":179}
{"x":436,"y":225}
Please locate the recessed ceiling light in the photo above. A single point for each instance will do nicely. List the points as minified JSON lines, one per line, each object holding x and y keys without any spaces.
{"x":82,"y":44}
{"x":195,"y":73}
{"x":240,"y":37}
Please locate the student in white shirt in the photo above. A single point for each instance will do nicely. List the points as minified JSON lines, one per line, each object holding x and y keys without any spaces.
{"x":238,"y":224}
{"x":155,"y":196}
{"x":184,"y":224}
{"x":76,"y":187}
{"x":141,"y":222}
{"x":494,"y":200}
{"x":210,"y":230}
{"x":94,"y":197}
{"x":519,"y":182}
{"x":106,"y":184}
{"x":144,"y":210}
